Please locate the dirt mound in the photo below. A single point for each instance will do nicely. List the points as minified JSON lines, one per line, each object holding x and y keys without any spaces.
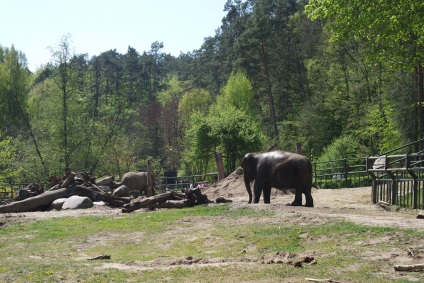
{"x":233,"y":187}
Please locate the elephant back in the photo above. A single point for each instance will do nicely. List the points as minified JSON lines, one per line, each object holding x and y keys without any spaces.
{"x":135,"y":181}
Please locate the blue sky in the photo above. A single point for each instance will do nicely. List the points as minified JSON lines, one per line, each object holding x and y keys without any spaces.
{"x":96,"y":26}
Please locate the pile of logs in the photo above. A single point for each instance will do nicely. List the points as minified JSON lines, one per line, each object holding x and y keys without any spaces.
{"x":171,"y":199}
{"x":34,"y":198}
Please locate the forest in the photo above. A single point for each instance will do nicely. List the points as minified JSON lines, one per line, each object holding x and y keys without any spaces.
{"x":342,"y":78}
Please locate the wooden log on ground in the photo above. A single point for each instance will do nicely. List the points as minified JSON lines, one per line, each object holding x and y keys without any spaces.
{"x":95,"y":195}
{"x":150,"y":202}
{"x":414,"y":267}
{"x":37,"y":202}
{"x":105,"y":181}
{"x":176,"y":204}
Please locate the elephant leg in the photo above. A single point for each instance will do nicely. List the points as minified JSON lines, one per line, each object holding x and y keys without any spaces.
{"x":267,"y":194}
{"x":297,"y":198}
{"x":309,"y":199}
{"x":257,"y":190}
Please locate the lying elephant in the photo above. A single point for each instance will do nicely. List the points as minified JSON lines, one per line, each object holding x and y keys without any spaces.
{"x":137,"y":181}
{"x":281,"y":170}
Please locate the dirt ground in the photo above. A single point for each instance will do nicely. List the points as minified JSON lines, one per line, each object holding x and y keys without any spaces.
{"x":352,"y":204}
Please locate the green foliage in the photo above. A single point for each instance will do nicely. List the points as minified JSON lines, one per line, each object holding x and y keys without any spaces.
{"x":343,"y":147}
{"x":193,"y":101}
{"x":14,"y":84}
{"x":9,"y":161}
{"x":388,"y":27}
{"x":201,"y":143}
{"x":382,"y":128}
{"x":238,"y":92}
{"x":237,"y":134}
{"x":269,"y":74}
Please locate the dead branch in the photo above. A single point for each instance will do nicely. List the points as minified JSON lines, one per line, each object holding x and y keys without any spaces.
{"x":95,"y":195}
{"x":414,"y":267}
{"x":99,"y":257}
{"x":321,"y":280}
{"x":169,"y":200}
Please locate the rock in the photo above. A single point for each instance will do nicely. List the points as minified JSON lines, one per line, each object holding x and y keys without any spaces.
{"x":99,"y":203}
{"x":57,"y":204}
{"x":105,"y":181}
{"x":122,"y":191}
{"x":77,"y":202}
{"x":420,"y":215}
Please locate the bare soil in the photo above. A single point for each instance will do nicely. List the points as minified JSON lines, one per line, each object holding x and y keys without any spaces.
{"x":351,"y":204}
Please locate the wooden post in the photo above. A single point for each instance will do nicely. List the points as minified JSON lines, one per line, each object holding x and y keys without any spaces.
{"x":299,"y":148}
{"x":149,"y":180}
{"x":219,"y":165}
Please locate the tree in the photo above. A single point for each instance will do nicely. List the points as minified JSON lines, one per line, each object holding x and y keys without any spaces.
{"x":238,"y":92}
{"x":62,"y":57}
{"x":236,"y":134}
{"x":391,"y":30}
{"x":194,"y":100}
{"x":14,"y":84}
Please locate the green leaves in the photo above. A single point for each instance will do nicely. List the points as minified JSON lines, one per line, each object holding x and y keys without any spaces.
{"x":391,"y":29}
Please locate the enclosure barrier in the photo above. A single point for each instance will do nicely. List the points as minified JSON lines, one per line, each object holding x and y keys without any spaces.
{"x":185,"y":182}
{"x":398,"y":179}
{"x":341,"y":173}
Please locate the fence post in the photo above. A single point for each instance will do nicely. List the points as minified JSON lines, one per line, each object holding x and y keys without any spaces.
{"x":345,"y":172}
{"x":374,"y":194}
{"x":299,"y":148}
{"x":414,"y":181}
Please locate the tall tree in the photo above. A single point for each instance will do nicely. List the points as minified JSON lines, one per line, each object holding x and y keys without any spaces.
{"x":391,"y":30}
{"x":62,"y":56}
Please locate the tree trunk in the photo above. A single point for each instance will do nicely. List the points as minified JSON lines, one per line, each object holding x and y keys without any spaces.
{"x":37,"y":202}
{"x":148,"y":202}
{"x":268,"y":87}
{"x":219,"y":165}
{"x":95,"y":195}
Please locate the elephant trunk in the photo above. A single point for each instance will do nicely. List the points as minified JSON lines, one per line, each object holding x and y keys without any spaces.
{"x":247,"y":184}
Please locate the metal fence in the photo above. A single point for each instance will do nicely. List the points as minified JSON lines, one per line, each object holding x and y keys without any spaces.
{"x":184,"y":182}
{"x":342,"y":173}
{"x":9,"y":191}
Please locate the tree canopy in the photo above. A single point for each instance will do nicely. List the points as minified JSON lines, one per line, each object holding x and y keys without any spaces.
{"x":324,"y":73}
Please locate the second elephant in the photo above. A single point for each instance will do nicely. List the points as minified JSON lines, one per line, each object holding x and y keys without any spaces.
{"x":137,"y":181}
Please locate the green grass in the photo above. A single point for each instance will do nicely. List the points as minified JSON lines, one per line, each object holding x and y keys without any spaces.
{"x":56,"y":250}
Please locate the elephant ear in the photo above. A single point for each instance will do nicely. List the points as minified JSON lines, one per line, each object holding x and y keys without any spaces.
{"x":248,"y":164}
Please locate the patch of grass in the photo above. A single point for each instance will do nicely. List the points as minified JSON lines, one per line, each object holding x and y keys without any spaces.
{"x":56,"y":250}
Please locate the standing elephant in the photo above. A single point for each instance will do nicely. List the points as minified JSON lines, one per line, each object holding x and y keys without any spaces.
{"x":137,"y":181}
{"x":280,"y":170}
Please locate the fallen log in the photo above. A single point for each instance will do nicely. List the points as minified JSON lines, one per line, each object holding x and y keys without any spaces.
{"x":176,"y":204}
{"x":321,"y":280}
{"x":150,"y":202}
{"x":37,"y":202}
{"x":98,"y":195}
{"x":169,"y":200}
{"x":414,"y":267}
{"x":99,"y":257}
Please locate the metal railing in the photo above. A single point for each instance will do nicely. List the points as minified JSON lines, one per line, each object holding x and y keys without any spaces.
{"x":342,"y":173}
{"x":184,"y":182}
